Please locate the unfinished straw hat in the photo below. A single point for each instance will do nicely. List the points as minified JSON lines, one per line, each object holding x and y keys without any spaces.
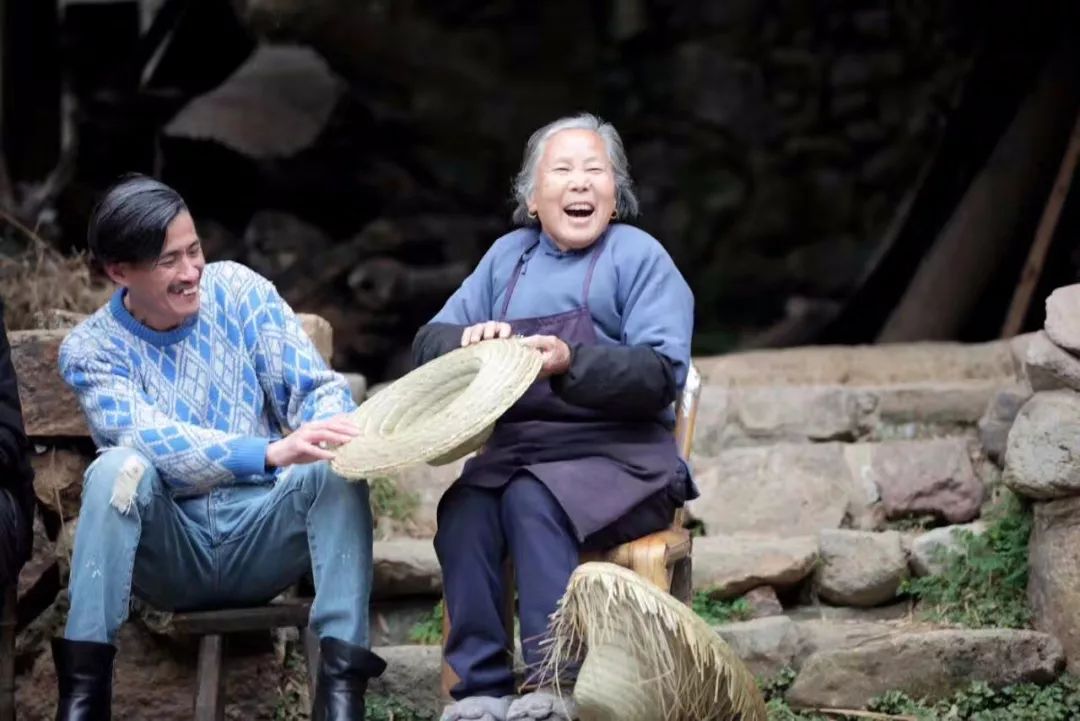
{"x":443,"y":410}
{"x":647,"y":657}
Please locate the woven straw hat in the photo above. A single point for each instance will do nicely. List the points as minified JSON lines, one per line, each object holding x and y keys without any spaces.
{"x":646,"y":655}
{"x":443,"y":410}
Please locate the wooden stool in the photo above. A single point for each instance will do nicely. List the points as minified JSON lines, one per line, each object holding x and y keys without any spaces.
{"x":212,"y":626}
{"x":8,"y":602}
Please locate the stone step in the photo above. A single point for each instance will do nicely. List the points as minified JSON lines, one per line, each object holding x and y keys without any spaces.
{"x":405,"y":567}
{"x":867,"y":365}
{"x":931,"y":664}
{"x":730,"y":417}
{"x":412,"y":676}
{"x":729,"y":566}
{"x":800,"y":489}
{"x":839,"y":664}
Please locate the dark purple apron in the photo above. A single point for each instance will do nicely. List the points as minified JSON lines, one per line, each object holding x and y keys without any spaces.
{"x":597,"y":466}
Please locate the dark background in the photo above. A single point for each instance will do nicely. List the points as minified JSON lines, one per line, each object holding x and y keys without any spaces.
{"x":798,"y":159}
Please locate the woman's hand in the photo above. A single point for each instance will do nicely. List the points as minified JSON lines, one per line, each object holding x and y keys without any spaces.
{"x":484,"y":331}
{"x":554,"y":352}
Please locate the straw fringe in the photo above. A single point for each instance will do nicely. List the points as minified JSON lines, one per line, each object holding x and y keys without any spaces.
{"x":691,"y":672}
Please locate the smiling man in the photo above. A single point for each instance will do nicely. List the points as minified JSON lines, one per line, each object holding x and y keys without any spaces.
{"x":191,"y":377}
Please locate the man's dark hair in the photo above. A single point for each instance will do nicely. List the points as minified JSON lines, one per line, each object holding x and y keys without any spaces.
{"x":129,"y":224}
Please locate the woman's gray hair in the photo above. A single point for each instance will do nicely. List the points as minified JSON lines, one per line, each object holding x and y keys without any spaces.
{"x":626,"y":203}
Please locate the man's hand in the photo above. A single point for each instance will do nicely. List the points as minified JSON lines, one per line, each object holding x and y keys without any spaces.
{"x":307,"y":443}
{"x":554,"y":352}
{"x":484,"y":331}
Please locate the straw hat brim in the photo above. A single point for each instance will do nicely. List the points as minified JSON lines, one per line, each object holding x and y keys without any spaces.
{"x":443,"y":410}
{"x":646,"y":655}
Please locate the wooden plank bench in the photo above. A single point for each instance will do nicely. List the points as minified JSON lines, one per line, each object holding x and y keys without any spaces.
{"x":213,"y":626}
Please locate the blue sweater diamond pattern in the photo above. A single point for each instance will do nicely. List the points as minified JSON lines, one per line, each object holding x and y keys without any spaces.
{"x":202,"y":401}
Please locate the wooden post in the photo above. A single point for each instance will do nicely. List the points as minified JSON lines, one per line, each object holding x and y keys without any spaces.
{"x":311,"y":657}
{"x":210,"y":680}
{"x":1044,"y":236}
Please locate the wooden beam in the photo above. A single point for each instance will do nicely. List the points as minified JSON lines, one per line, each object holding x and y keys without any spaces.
{"x":1044,"y":236}
{"x":953,"y":275}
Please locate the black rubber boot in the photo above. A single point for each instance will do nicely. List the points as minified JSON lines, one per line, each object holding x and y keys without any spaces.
{"x":344,"y":670}
{"x":84,"y":676}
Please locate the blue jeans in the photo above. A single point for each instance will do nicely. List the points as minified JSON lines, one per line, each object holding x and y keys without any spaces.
{"x":237,"y":545}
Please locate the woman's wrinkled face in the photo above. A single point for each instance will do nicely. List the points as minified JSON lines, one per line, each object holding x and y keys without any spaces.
{"x":575,"y":189}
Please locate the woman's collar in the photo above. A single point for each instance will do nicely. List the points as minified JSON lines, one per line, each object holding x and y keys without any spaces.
{"x":551,"y":248}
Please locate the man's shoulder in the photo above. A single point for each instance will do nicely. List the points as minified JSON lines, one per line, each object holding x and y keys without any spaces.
{"x":91,"y":334}
{"x":633,"y":248}
{"x":231,"y":275}
{"x":635,"y":240}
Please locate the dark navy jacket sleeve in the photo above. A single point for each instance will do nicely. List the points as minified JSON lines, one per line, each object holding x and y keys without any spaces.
{"x":627,"y":380}
{"x":434,"y":340}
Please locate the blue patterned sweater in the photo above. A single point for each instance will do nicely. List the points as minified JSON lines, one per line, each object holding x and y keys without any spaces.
{"x":202,"y":401}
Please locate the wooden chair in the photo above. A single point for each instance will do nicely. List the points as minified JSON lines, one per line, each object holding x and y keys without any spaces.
{"x":664,"y":557}
{"x":8,"y":603}
{"x":212,"y":628}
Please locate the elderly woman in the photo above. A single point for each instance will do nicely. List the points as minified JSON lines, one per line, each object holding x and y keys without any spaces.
{"x":586,"y":459}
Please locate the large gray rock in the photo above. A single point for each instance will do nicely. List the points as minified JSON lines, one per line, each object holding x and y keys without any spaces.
{"x":49,"y":406}
{"x":763,"y":602}
{"x":1063,"y":317}
{"x":860,"y":568}
{"x":728,"y":566}
{"x":998,"y":419}
{"x":765,"y":645}
{"x":933,"y":665}
{"x":1049,"y":366}
{"x":926,"y":549}
{"x":1054,"y":574}
{"x":406,"y":567}
{"x":833,"y":635}
{"x":924,"y":477}
{"x":1044,"y":443}
{"x":412,"y":676}
{"x":781,"y":490}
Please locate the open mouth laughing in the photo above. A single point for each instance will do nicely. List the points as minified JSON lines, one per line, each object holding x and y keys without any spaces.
{"x":580,"y":210}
